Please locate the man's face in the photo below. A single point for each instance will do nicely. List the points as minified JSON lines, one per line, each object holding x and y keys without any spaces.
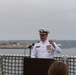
{"x":43,"y":37}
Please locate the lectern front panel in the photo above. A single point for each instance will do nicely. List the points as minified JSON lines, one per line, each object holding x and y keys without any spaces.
{"x":37,"y":66}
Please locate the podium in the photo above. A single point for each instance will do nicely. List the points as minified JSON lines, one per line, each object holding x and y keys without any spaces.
{"x":37,"y":66}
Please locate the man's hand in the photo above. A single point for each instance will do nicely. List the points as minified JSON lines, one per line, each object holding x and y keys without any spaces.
{"x":52,"y":43}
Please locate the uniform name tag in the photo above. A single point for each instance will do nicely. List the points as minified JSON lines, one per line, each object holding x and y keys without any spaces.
{"x":37,"y":46}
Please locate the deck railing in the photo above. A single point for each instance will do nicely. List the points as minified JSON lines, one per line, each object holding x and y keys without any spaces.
{"x":12,"y":65}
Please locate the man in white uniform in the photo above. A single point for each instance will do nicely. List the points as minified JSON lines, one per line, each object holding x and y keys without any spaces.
{"x":44,"y":48}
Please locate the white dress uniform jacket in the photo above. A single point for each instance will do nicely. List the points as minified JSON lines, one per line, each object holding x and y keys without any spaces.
{"x":44,"y":50}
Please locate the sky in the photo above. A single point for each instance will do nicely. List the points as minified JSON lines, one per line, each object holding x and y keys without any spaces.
{"x":21,"y":19}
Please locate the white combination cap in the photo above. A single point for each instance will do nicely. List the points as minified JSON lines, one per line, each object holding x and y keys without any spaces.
{"x":43,"y":31}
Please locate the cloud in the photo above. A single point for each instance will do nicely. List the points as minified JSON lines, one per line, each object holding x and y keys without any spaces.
{"x":22,"y":17}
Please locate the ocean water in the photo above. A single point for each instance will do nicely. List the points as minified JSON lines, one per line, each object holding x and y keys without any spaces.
{"x":69,"y":52}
